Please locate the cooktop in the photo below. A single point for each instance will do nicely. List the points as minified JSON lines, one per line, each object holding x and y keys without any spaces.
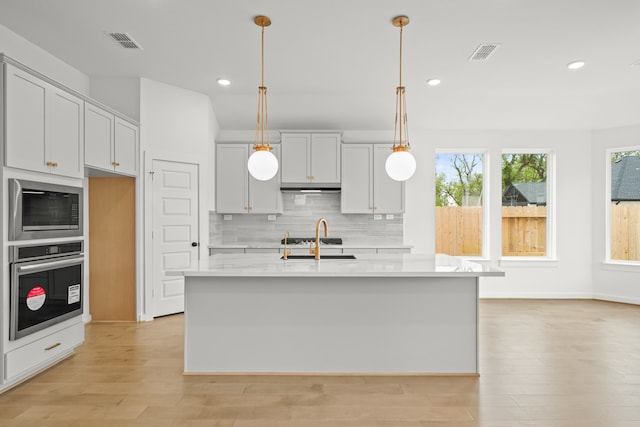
{"x":307,"y":240}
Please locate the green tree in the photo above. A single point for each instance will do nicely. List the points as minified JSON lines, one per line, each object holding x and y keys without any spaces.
{"x":450,"y":190}
{"x":617,"y":155}
{"x":523,"y":168}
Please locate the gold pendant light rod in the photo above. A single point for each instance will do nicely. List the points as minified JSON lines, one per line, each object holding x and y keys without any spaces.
{"x":262,"y":119}
{"x":400,"y":123}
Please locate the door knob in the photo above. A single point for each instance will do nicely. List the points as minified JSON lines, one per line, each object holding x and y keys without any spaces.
{"x":194,"y":244}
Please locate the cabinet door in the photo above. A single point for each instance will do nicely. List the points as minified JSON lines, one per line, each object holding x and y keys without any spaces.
{"x":295,"y":164}
{"x":98,"y":137}
{"x":232,"y":178}
{"x":325,"y":158}
{"x":25,"y":97}
{"x":357,"y":178}
{"x":65,"y":133}
{"x":388,"y":195}
{"x":125,"y":153}
{"x":265,"y":196}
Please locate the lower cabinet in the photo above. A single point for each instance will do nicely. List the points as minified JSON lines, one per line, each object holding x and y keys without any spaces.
{"x":36,"y":355}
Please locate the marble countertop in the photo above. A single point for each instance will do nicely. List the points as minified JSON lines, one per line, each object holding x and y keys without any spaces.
{"x":392,"y":265}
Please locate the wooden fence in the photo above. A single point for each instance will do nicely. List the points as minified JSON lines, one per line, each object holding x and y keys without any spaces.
{"x":625,"y":232}
{"x":459,"y":230}
{"x":524,"y":231}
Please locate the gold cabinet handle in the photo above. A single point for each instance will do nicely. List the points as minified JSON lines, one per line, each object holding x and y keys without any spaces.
{"x":51,"y":347}
{"x":115,"y":163}
{"x":52,"y":164}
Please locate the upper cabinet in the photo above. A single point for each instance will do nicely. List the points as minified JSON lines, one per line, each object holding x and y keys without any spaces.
{"x":311,"y":158}
{"x":236,"y":190}
{"x":44,"y":126}
{"x":110,"y":143}
{"x":366,"y":187}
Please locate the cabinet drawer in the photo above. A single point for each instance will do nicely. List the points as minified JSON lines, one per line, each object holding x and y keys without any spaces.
{"x":394,"y":250}
{"x":215,"y":251}
{"x":38,"y":353}
{"x":261,"y":251}
{"x":361,"y":251}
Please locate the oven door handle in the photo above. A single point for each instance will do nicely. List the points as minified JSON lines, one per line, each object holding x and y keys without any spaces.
{"x":50,"y":264}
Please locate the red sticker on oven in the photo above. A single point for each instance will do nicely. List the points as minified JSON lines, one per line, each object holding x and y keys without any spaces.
{"x":35,"y":298}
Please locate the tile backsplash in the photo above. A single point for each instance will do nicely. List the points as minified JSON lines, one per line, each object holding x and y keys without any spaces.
{"x":301,"y":211}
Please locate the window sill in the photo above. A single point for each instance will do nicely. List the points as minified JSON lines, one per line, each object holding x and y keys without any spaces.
{"x":612,"y":265}
{"x":528,"y":262}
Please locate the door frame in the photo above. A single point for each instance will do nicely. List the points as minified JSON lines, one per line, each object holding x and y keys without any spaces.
{"x":145,"y":292}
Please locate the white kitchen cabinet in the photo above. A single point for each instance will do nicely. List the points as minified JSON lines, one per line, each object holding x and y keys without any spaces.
{"x":34,"y":356}
{"x":44,"y":127}
{"x":111,"y":143}
{"x":310,"y":158}
{"x":236,"y":190}
{"x":366,"y":187}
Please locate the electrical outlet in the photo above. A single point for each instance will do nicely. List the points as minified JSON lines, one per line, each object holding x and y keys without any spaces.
{"x":389,"y":216}
{"x":227,"y":217}
{"x":377,"y":217}
{"x":271,"y":217}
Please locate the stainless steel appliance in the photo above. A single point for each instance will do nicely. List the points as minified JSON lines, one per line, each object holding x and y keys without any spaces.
{"x":307,"y":240}
{"x":46,"y":286}
{"x":39,"y":210}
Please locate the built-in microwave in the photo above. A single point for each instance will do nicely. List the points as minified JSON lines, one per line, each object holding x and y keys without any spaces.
{"x":40,"y":210}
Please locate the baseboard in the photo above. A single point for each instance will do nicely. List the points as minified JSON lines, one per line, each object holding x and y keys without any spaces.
{"x":534,"y":295}
{"x":616,"y":298}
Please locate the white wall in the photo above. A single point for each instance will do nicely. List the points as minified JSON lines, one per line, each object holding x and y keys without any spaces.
{"x":176,"y":125}
{"x":121,"y":94}
{"x":613,"y":282}
{"x":42,"y":61}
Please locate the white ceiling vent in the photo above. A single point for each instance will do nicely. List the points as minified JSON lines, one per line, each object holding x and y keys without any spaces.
{"x":124,"y":40}
{"x":483,"y":52}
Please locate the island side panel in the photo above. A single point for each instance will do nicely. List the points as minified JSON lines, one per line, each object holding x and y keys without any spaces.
{"x":331,"y":325}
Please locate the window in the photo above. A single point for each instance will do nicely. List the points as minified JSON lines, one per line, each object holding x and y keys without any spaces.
{"x":624,"y":213}
{"x":459,"y":213}
{"x":525,"y":230}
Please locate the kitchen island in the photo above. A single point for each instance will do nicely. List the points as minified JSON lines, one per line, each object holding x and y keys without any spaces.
{"x":376,"y":314}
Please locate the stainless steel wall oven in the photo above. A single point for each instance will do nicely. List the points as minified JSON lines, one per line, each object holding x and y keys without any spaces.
{"x":39,"y":210}
{"x":46,"y":286}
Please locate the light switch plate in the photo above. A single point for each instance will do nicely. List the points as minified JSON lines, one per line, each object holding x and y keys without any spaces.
{"x":271,"y":217}
{"x":389,"y":216}
{"x":377,"y":217}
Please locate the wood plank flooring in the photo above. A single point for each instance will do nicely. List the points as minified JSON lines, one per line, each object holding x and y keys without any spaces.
{"x":542,"y":363}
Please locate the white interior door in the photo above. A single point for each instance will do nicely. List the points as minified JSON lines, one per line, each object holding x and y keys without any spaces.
{"x":175,"y":231}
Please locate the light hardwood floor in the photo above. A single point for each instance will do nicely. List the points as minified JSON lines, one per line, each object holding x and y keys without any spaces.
{"x":542,"y":363}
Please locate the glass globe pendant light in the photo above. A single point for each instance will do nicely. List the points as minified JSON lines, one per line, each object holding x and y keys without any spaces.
{"x":400,"y":164}
{"x":262,"y":164}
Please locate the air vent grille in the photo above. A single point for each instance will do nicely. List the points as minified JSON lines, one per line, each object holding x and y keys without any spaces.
{"x":124,"y":40}
{"x":483,"y":52}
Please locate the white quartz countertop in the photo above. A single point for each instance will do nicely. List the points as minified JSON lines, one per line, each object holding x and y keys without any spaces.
{"x":391,"y":265}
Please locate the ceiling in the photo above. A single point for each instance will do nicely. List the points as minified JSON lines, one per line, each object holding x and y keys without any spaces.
{"x":333,"y":64}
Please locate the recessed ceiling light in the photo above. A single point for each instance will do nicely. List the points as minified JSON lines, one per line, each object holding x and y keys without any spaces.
{"x":224,"y":82}
{"x":575,"y":65}
{"x":434,"y":82}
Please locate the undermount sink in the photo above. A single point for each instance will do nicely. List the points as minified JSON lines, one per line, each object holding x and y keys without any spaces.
{"x":339,"y":256}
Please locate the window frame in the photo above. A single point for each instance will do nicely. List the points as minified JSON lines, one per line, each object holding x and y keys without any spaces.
{"x":631,"y":264}
{"x":551,"y":235}
{"x":486,"y":197}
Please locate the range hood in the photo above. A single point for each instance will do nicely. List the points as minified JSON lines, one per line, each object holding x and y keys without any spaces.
{"x":310,"y":188}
